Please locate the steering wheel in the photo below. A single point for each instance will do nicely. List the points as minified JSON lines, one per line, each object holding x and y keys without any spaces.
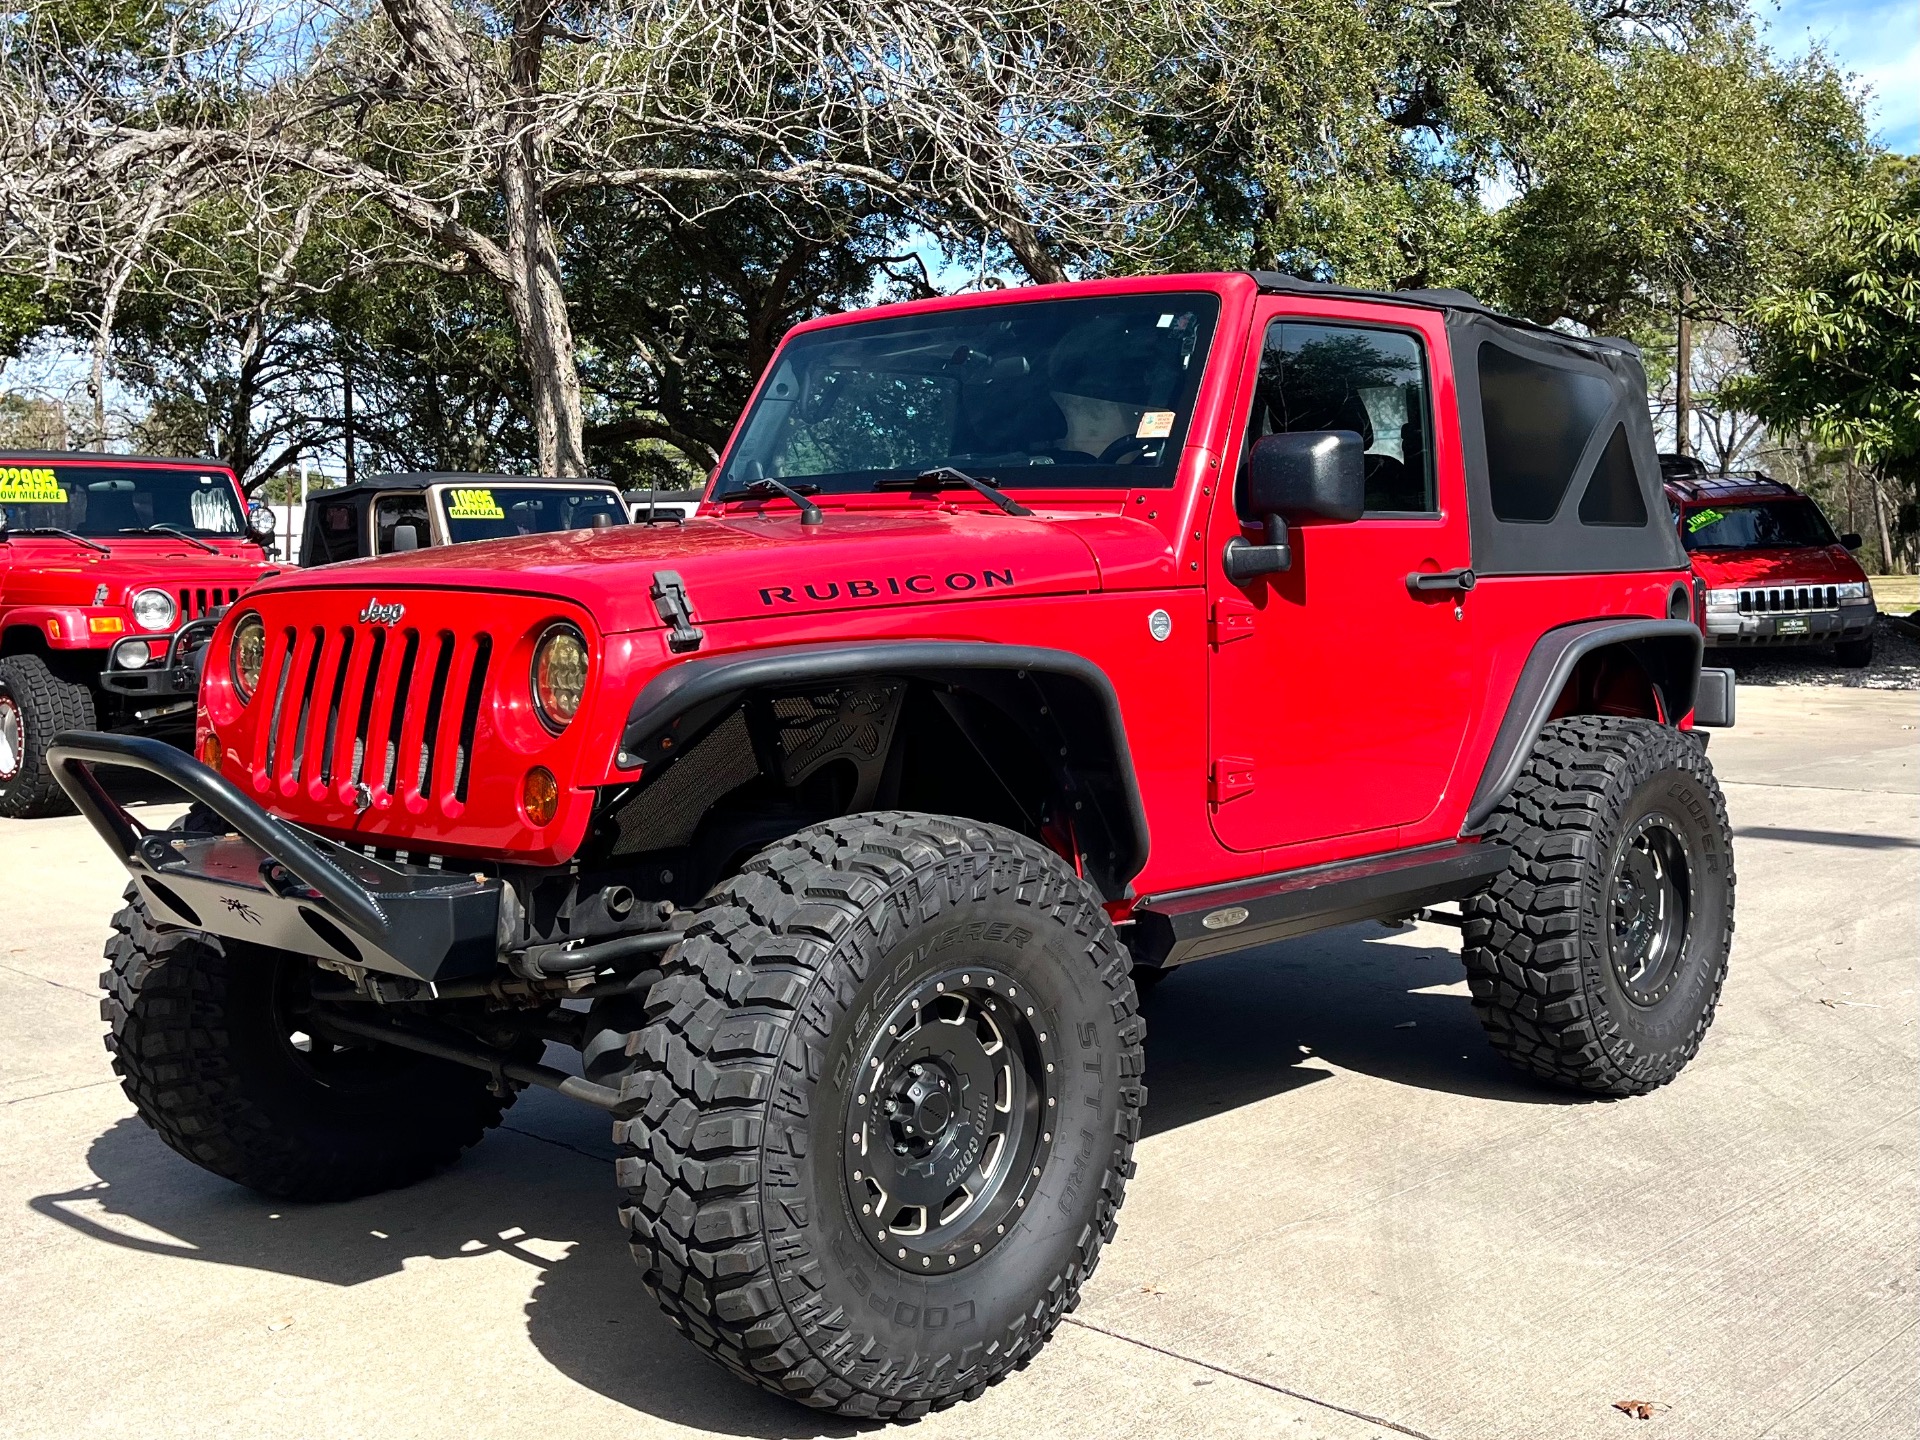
{"x":1134,"y":443}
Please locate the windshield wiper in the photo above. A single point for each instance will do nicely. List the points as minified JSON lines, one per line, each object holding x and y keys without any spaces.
{"x":172,"y":530}
{"x":945,"y":477}
{"x":810,"y":513}
{"x":63,"y":534}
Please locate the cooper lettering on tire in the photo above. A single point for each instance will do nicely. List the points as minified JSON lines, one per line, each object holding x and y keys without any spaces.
{"x":887,"y":1097}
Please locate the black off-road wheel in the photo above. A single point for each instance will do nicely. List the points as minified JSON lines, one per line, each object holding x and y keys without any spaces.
{"x":887,"y":1096}
{"x":211,"y":1043}
{"x":1597,"y":958}
{"x":35,"y":706}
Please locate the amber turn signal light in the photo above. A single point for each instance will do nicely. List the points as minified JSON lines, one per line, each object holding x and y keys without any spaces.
{"x":210,"y":750}
{"x":540,"y":795}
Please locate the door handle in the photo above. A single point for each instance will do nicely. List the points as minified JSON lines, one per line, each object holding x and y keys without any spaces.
{"x":1420,"y":582}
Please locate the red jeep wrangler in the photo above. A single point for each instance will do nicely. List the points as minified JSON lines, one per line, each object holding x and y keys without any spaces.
{"x":1025,"y":643}
{"x":1773,"y":572}
{"x":106,"y":563}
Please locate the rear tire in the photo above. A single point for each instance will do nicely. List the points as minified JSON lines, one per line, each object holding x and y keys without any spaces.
{"x":1597,"y":958}
{"x":837,"y":1033}
{"x":201,"y":1034}
{"x":35,"y":706}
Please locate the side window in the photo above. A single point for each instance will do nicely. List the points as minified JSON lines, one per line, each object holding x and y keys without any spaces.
{"x":1613,"y":494}
{"x":1349,"y":377}
{"x":333,"y":533}
{"x":392,"y":510}
{"x":1538,"y":420}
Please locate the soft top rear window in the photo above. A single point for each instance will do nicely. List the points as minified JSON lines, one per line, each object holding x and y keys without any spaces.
{"x":1083,"y":392}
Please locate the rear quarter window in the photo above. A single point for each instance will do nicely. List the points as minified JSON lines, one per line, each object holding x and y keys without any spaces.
{"x":1538,"y":421}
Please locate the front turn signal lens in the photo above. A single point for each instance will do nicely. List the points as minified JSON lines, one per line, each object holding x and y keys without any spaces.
{"x":249,"y":655}
{"x":210,"y":750}
{"x":540,"y":795}
{"x":559,"y":676}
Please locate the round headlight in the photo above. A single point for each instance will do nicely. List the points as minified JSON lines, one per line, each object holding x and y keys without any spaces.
{"x":131,"y":654}
{"x":559,"y":676}
{"x":153,"y":610}
{"x":249,"y":655}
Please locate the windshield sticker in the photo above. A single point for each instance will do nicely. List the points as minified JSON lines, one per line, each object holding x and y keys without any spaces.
{"x":473,"y":505}
{"x":1700,"y":519}
{"x":36,"y":486}
{"x":1155,"y":425}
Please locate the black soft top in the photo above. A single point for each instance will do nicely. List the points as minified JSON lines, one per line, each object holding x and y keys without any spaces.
{"x":1454,"y":302}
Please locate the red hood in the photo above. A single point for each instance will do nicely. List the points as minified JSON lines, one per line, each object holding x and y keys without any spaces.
{"x":739,"y":566}
{"x":1802,"y":565}
{"x":50,"y":571}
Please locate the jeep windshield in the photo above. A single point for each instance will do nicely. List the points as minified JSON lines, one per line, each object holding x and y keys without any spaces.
{"x":1081,"y":393}
{"x":1757,"y":525}
{"x":118,"y":500}
{"x":493,"y":511}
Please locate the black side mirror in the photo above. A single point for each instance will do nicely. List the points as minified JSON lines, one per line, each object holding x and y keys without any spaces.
{"x":1851,"y":540}
{"x":1292,"y":479}
{"x":405,"y":537}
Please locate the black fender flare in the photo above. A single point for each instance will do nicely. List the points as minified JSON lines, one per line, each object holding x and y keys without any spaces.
{"x":1668,"y":650}
{"x":676,"y":704}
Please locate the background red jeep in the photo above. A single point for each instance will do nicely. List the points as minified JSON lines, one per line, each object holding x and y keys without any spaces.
{"x":1774,"y":573}
{"x":104,"y":561}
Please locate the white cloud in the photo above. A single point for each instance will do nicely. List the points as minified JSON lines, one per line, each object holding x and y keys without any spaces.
{"x":1878,"y":40}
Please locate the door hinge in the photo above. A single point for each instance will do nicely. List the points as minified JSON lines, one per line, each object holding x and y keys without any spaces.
{"x":676,"y":612}
{"x":1232,"y":777}
{"x":1232,"y":620}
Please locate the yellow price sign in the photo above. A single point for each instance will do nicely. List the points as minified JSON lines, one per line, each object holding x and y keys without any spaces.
{"x":473,"y":505}
{"x":30,"y":485}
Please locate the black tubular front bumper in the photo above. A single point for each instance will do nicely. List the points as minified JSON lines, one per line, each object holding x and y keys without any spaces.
{"x":174,"y":677}
{"x":270,"y":883}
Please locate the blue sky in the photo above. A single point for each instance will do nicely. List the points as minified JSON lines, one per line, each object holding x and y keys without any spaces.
{"x":1878,"y":40}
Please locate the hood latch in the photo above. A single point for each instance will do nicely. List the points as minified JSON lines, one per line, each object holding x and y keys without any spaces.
{"x":676,"y":612}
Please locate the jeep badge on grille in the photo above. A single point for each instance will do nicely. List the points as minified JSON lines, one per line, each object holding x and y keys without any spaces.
{"x":378,"y":614}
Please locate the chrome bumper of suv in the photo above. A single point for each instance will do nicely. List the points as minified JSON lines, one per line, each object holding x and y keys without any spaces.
{"x":1848,"y":621}
{"x":270,"y":883}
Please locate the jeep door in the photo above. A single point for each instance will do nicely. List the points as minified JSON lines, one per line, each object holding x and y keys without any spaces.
{"x":1340,"y":693}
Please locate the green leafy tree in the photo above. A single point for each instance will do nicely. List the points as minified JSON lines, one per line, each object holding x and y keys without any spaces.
{"x":1837,"y":349}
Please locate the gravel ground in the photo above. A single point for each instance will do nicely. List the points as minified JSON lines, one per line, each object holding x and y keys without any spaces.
{"x":1896,"y":664}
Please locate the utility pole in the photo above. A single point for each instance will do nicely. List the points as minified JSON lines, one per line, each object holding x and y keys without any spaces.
{"x":1683,"y":375}
{"x":346,"y":390}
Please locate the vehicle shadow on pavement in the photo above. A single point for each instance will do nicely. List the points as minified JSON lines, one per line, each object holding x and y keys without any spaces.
{"x":1222,"y":1034}
{"x":540,"y":1192}
{"x":1229,"y":1032}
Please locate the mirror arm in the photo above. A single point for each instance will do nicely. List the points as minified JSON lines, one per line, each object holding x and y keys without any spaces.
{"x":1243,"y":562}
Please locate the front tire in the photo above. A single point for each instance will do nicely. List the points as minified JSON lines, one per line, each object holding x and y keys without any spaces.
{"x":205,"y":1037}
{"x":35,"y":706}
{"x":1596,"y":959}
{"x":1855,"y":654}
{"x":887,"y":1095}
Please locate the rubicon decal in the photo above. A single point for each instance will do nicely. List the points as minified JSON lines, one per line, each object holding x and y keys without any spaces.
{"x":821,"y":592}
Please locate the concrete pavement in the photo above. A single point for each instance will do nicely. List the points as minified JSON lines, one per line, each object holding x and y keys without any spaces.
{"x":1350,"y":1219}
